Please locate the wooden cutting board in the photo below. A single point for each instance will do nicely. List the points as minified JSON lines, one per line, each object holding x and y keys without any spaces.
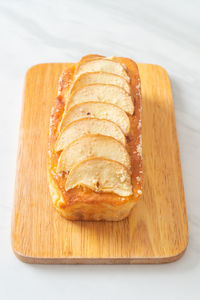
{"x":155,"y":232}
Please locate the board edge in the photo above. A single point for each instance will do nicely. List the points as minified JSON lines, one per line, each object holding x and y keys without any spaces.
{"x":99,"y":261}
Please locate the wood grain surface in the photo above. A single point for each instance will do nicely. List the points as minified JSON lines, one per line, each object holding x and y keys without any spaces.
{"x":155,"y":232}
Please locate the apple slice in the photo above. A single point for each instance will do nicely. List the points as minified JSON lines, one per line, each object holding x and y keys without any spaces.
{"x":107,"y":93}
{"x":86,"y":126}
{"x":92,"y":146}
{"x":97,"y":110}
{"x":89,"y":57}
{"x":102,"y":65}
{"x":100,"y":77}
{"x":101,"y":175}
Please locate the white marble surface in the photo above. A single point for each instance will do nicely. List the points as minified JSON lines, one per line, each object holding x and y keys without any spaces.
{"x":160,"y":32}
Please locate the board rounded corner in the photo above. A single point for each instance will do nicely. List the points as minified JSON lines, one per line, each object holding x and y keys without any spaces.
{"x":24,"y":258}
{"x":175,"y":257}
{"x":162,"y":69}
{"x":33,"y":67}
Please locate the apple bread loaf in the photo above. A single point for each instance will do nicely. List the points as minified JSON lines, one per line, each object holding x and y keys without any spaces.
{"x":95,"y":141}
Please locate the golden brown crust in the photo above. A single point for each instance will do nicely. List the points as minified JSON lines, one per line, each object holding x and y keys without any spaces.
{"x":81,"y":203}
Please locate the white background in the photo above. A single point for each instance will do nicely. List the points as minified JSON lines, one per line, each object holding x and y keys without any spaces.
{"x":160,"y":32}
